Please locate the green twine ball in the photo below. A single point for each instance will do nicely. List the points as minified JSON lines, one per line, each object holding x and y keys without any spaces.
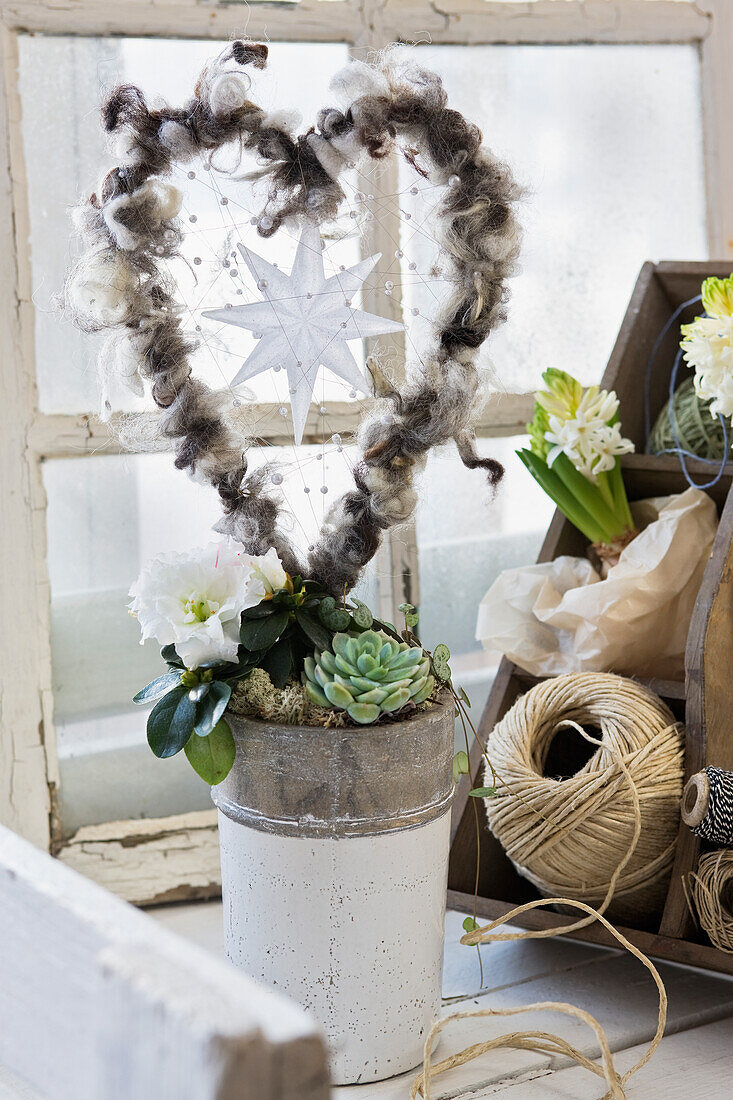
{"x":697,"y":431}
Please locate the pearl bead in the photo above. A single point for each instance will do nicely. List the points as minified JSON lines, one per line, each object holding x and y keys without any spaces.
{"x":262,"y":284}
{"x":283,"y":411}
{"x":324,"y":489}
{"x":193,"y":218}
{"x":453,"y":181}
{"x":277,"y":479}
{"x":306,"y":490}
{"x":399,"y":254}
{"x":412,"y":266}
{"x":266,"y":222}
{"x":224,"y":200}
{"x":415,"y":311}
{"x":414,"y":191}
{"x":197,"y":260}
{"x":323,"y":410}
{"x":192,"y":175}
{"x":389,"y":285}
{"x":336,"y":437}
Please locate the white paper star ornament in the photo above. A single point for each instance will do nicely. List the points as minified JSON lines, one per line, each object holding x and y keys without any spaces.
{"x":306,"y":320}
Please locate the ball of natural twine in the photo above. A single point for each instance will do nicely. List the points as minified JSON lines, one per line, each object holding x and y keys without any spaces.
{"x":609,"y":830}
{"x":697,"y":431}
{"x":709,"y":892}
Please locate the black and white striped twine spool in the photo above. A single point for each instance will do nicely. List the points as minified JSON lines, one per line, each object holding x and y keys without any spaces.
{"x":707,"y":805}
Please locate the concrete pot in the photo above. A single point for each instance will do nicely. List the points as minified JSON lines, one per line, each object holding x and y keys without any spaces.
{"x":334,"y":857}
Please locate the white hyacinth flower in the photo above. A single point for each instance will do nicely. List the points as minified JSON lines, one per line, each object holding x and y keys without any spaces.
{"x":708,"y":348}
{"x":195,"y":600}
{"x":607,"y":444}
{"x":588,"y":439}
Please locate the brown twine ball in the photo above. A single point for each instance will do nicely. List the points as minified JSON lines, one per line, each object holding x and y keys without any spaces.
{"x":573,"y":837}
{"x":709,"y":892}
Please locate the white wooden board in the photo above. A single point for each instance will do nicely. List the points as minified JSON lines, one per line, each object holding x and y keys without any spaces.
{"x":98,"y":1002}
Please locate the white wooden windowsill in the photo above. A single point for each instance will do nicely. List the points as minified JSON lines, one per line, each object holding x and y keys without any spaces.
{"x":693,"y":1060}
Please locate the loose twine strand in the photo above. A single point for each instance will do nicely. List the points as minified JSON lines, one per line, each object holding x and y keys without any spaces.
{"x":547,"y":1042}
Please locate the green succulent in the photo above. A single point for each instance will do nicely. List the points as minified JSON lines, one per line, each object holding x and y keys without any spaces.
{"x":367,"y":675}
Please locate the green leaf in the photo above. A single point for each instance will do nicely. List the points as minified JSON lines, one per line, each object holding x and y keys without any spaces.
{"x":460,"y":766}
{"x":278,"y":662}
{"x":170,"y":723}
{"x":441,"y":668}
{"x":362,"y":616}
{"x":243,"y":667}
{"x":318,"y":634}
{"x":333,"y":617}
{"x":260,"y":611}
{"x":168,"y":653}
{"x":262,"y":633}
{"x":211,"y":708}
{"x":469,"y":925}
{"x":483,"y":792}
{"x":212,"y":757}
{"x":462,"y":695}
{"x":558,"y":492}
{"x":156,"y":689}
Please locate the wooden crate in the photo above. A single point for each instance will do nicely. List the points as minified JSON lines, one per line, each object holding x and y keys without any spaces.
{"x":704,"y":701}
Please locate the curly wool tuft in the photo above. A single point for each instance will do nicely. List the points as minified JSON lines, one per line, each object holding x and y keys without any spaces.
{"x":131,"y":224}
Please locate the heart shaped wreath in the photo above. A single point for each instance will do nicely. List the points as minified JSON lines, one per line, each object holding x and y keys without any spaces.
{"x":130,"y":228}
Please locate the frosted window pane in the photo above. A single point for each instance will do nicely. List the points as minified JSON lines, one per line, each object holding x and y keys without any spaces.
{"x":106,"y":517}
{"x":608,"y":142}
{"x":62,"y":80}
{"x":466,"y":536}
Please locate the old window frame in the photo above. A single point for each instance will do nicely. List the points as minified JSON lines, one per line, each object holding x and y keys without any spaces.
{"x":176,"y":857}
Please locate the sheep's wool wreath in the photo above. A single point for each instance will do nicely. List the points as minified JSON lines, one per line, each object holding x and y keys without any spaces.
{"x":133,"y":226}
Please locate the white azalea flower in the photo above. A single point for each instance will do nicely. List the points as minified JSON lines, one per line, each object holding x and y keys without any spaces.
{"x":267,"y":577}
{"x":194,"y":601}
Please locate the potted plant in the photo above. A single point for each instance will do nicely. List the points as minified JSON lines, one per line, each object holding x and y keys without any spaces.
{"x":327,"y":738}
{"x":326,"y":734}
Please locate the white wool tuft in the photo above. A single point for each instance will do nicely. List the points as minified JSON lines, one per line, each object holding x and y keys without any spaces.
{"x":356,"y":80}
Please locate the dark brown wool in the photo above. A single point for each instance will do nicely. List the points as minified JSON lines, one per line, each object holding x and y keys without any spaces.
{"x":128,"y":227}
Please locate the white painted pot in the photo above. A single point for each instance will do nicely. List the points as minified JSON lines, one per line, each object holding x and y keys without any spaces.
{"x":334,"y":858}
